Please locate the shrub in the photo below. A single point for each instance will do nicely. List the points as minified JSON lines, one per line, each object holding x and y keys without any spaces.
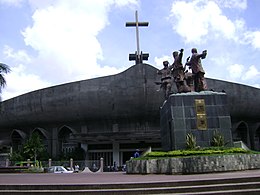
{"x":217,"y":139}
{"x":35,"y":170}
{"x":190,"y":141}
{"x":198,"y":152}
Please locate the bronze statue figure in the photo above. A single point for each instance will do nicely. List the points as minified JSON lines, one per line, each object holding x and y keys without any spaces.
{"x":185,"y":81}
{"x":197,"y":70}
{"x":166,"y":78}
{"x":178,"y":72}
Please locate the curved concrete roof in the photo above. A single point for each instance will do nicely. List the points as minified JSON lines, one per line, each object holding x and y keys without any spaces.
{"x":129,"y":94}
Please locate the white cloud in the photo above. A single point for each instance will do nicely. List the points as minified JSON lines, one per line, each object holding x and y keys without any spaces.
{"x":59,"y":33}
{"x":221,"y":60}
{"x":121,"y":3}
{"x":238,"y":73}
{"x":20,"y":82}
{"x":252,"y":38}
{"x":235,"y":71}
{"x":201,"y":20}
{"x":182,"y":15}
{"x":219,"y":23}
{"x":20,"y":55}
{"x":15,"y":3}
{"x":65,"y":35}
{"x":196,"y":19}
{"x":251,"y":74}
{"x":40,"y":4}
{"x":158,"y":61}
{"x":239,"y":4}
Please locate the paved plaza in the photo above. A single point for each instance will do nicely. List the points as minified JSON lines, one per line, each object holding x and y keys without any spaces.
{"x":113,"y":178}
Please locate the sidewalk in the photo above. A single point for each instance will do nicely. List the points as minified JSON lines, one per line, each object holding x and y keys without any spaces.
{"x":113,"y":178}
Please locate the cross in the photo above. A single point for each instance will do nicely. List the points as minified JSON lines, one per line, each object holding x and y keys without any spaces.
{"x":137,"y":56}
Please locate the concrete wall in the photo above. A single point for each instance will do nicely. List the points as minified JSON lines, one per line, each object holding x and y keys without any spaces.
{"x":195,"y":165}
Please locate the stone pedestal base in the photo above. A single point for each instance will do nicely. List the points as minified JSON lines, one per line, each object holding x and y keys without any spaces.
{"x":198,"y":113}
{"x":194,"y":165}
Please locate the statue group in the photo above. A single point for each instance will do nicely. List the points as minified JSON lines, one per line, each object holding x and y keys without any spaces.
{"x":185,"y":81}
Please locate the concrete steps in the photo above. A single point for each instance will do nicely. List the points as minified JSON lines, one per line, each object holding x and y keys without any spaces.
{"x":213,"y":186}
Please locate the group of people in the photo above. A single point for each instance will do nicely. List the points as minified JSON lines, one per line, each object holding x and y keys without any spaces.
{"x":185,"y":81}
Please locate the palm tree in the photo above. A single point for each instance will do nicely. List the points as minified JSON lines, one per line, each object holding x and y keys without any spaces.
{"x":4,"y":69}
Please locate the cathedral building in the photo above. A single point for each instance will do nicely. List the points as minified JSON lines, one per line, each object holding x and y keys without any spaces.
{"x":112,"y":116}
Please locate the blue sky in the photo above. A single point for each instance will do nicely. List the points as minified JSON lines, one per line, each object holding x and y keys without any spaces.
{"x":53,"y":42}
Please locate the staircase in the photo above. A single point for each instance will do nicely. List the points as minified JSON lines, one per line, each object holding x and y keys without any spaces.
{"x":243,"y":185}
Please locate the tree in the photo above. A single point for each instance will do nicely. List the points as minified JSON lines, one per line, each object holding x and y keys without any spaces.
{"x":4,"y":69}
{"x":33,"y":146}
{"x":16,"y":156}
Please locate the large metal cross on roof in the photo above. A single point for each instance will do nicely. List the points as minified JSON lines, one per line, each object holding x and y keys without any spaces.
{"x":138,"y":57}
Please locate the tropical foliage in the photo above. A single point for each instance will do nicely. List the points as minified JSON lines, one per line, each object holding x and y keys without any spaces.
{"x":217,"y":139}
{"x":190,"y":141}
{"x":4,"y":69}
{"x":33,"y":146}
{"x":198,"y":152}
{"x":32,"y":149}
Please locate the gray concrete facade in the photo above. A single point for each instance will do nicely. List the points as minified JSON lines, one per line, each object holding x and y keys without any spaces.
{"x":121,"y":109}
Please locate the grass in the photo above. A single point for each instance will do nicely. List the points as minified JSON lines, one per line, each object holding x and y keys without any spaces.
{"x":196,"y":152}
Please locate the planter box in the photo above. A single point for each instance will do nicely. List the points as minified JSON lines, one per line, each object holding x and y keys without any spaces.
{"x":194,"y":165}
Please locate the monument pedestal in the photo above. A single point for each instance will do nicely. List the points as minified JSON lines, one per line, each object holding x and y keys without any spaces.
{"x":198,"y":113}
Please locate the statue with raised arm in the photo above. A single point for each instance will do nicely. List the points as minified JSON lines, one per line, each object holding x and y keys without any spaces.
{"x":197,"y":70}
{"x":166,"y":78}
{"x":178,"y":72}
